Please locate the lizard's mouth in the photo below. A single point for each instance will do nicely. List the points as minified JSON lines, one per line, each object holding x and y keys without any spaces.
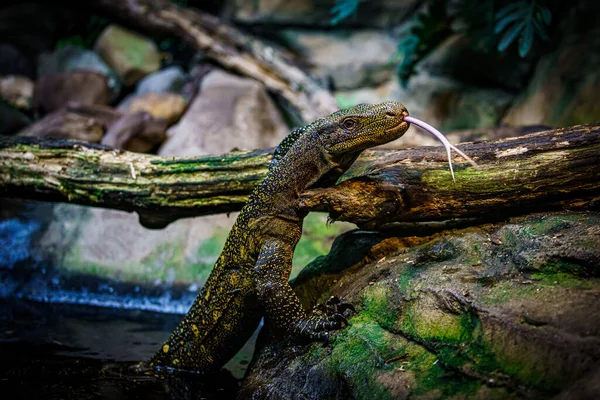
{"x":401,"y":127}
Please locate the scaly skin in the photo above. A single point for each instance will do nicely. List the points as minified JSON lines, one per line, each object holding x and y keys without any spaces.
{"x":250,"y":278}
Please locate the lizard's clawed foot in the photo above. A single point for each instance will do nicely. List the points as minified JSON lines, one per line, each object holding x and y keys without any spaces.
{"x":325,"y":317}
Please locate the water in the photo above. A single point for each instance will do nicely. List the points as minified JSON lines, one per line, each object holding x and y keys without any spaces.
{"x":58,"y":351}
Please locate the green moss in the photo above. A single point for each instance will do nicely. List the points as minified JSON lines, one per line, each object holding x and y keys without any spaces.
{"x":365,"y":353}
{"x":431,"y":325}
{"x":377,"y":307}
{"x":406,"y":280}
{"x":357,"y":355}
{"x":564,"y":274}
{"x":468,"y":179}
{"x":505,"y":291}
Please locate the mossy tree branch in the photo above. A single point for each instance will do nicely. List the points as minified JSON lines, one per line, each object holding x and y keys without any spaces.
{"x":551,"y":169}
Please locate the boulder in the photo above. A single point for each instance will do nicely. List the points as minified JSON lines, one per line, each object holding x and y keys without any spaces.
{"x":347,"y":59}
{"x":229,"y":112}
{"x":71,"y":58}
{"x":484,"y":312}
{"x":55,"y":90}
{"x":376,"y":13}
{"x":168,"y":80}
{"x":66,"y":125}
{"x":130,"y":54}
{"x":168,"y":106}
{"x":138,"y":131}
{"x":17,"y":90}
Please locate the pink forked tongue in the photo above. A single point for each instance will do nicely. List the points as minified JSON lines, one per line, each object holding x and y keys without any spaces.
{"x":442,"y":139}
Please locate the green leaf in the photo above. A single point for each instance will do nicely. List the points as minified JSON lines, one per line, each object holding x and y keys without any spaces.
{"x":537,"y":25}
{"x":503,"y":23}
{"x":510,"y":8}
{"x":546,"y":15}
{"x":342,"y":10}
{"x":510,"y":36}
{"x":526,"y":40}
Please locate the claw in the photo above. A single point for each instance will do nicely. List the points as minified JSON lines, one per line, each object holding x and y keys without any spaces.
{"x":339,"y":318}
{"x":333,"y":300}
{"x":343,"y":306}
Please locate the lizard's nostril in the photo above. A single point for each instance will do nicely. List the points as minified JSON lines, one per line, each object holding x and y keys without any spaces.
{"x":405,"y":113}
{"x":390,"y":114}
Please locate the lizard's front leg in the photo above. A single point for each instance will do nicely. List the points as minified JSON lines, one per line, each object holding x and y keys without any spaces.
{"x":281,"y":304}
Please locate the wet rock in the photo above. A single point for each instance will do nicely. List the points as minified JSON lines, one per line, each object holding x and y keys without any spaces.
{"x":17,"y":90}
{"x":11,"y":119}
{"x":229,"y":112}
{"x":563,"y":89}
{"x":171,"y":79}
{"x":55,"y":90}
{"x":168,"y":106}
{"x":70,"y":58}
{"x":378,"y":13}
{"x":14,"y":62}
{"x":130,"y":54}
{"x":347,"y":59}
{"x":483,"y":312}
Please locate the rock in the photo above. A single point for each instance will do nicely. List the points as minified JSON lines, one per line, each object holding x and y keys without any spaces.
{"x":478,"y":313}
{"x":113,"y":244}
{"x":563,"y":89}
{"x":195,"y":78}
{"x":66,"y":125}
{"x":171,"y":79}
{"x":138,"y":132}
{"x":70,"y":58}
{"x":11,"y":119}
{"x":377,"y":13}
{"x":349,"y":59}
{"x":13,"y":62}
{"x":229,"y":112}
{"x":17,"y":90}
{"x":55,"y":90}
{"x":130,"y":54}
{"x":168,"y":106}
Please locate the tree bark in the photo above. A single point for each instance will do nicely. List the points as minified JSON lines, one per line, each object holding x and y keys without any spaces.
{"x":233,"y":49}
{"x":547,"y":170}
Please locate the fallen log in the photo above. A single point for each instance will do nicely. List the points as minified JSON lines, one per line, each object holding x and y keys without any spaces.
{"x":233,"y":49}
{"x":541,"y":171}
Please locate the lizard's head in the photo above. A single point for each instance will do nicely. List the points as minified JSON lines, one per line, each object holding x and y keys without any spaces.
{"x":364,"y":126}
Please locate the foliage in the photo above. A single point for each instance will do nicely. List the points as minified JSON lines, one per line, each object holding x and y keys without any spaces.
{"x":523,"y":19}
{"x":430,"y":29}
{"x":486,"y":22}
{"x":343,"y":9}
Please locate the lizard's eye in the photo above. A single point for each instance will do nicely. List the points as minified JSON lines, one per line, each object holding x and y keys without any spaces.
{"x":349,"y":124}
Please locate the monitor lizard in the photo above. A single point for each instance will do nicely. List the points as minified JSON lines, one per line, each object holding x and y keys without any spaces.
{"x":250,"y":277}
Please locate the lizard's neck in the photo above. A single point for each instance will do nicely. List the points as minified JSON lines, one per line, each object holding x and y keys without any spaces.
{"x":280,"y":190}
